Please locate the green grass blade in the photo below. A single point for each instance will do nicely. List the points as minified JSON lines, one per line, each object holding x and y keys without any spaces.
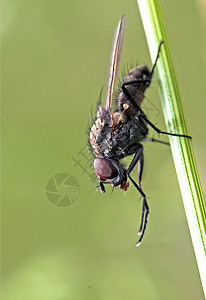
{"x":182,"y":152}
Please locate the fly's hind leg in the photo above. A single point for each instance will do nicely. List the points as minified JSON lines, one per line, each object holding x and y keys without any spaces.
{"x":146,"y":81}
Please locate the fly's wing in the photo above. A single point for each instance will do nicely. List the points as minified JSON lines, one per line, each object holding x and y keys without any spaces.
{"x":115,"y":55}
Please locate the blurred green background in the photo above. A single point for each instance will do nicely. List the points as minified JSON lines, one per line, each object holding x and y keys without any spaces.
{"x":55,"y":57}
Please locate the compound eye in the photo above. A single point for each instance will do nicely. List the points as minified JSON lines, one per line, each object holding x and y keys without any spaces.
{"x":104,"y":168}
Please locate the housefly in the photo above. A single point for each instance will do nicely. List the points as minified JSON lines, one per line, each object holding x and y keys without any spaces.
{"x":118,"y":133}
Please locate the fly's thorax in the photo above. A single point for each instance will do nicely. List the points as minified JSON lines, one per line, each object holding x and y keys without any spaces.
{"x":136,"y":90}
{"x":100,"y":130}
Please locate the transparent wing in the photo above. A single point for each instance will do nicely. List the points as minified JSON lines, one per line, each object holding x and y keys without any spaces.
{"x":115,"y":55}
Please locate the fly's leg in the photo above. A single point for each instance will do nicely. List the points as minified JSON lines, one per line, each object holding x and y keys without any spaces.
{"x":102,"y":188}
{"x":139,"y":159}
{"x":155,"y":63}
{"x":156,"y":141}
{"x":140,"y":115}
{"x":144,"y":214}
{"x":147,"y":82}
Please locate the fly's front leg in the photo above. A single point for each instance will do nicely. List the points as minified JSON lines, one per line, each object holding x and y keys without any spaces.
{"x":139,"y":159}
{"x":102,"y":188}
{"x":145,"y":215}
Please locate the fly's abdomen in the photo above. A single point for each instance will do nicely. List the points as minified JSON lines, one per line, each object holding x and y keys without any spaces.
{"x":135,"y":90}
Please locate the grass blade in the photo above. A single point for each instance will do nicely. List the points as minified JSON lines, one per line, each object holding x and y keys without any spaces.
{"x":182,"y":152}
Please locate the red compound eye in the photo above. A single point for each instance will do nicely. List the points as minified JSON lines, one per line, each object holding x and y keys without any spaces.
{"x":105,"y":169}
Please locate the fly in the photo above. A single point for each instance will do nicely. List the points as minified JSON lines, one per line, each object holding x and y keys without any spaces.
{"x":118,"y":133}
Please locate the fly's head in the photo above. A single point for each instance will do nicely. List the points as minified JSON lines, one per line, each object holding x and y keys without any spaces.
{"x":110,"y":171}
